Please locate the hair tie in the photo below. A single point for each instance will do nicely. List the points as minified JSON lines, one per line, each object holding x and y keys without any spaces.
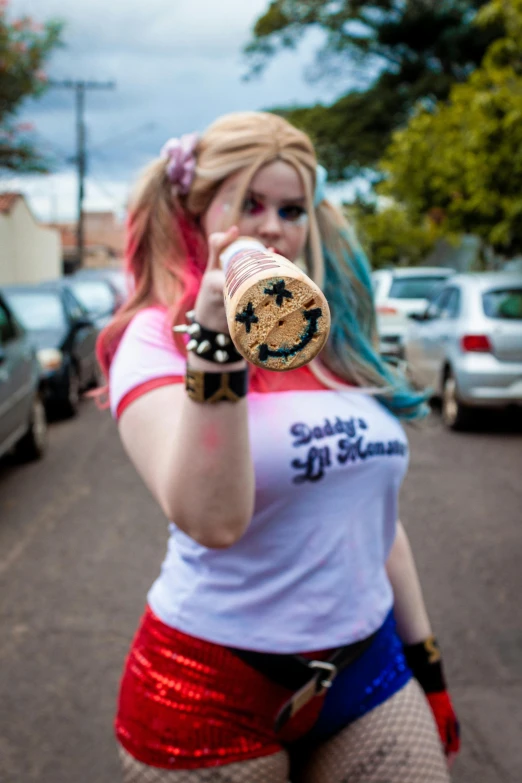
{"x":181,"y":160}
{"x":321,"y":175}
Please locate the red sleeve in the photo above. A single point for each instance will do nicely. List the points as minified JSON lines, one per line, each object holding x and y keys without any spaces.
{"x":143,"y":388}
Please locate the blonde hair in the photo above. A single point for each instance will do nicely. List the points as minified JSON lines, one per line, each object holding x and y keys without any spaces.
{"x":166,"y":247}
{"x":245,"y":142}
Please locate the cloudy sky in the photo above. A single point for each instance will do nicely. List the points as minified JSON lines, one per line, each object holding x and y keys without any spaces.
{"x":176,"y":64}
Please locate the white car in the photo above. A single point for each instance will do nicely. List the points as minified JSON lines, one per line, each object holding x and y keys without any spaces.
{"x":467,"y":346}
{"x":398,"y":293}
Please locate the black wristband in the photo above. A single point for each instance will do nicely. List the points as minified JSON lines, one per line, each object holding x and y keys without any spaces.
{"x":216,"y":386}
{"x":210,"y":345}
{"x":425,"y":661}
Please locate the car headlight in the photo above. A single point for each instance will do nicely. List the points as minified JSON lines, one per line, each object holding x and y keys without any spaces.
{"x":50,"y":358}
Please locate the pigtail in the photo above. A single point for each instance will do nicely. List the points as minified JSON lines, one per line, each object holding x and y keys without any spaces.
{"x":352,"y":350}
{"x":161,"y":242}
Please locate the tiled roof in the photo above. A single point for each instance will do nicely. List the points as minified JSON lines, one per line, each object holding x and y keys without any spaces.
{"x":7,"y":201}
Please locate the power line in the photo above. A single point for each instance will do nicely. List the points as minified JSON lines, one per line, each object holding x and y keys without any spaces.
{"x":58,"y":152}
{"x":102,"y":188}
{"x":123,"y":136}
{"x":106,"y":159}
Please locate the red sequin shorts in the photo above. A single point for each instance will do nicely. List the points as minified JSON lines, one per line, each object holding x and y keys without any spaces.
{"x":186,"y":703}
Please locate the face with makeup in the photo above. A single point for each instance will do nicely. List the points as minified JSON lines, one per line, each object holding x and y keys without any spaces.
{"x":273,"y":211}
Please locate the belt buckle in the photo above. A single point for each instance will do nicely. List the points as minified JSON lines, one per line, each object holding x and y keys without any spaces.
{"x":330,"y":673}
{"x":314,"y":687}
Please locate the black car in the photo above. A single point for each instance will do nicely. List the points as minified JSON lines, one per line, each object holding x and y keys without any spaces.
{"x":65,"y":338}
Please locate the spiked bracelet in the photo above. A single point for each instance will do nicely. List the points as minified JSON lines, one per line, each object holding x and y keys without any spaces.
{"x":213,"y":346}
{"x":216,"y":386}
{"x":425,"y":661}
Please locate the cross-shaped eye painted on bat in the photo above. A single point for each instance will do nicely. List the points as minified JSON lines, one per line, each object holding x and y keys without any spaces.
{"x":280,"y":291}
{"x":247,"y":317}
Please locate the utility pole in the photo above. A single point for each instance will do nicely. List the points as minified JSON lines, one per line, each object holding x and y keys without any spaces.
{"x":80,"y":158}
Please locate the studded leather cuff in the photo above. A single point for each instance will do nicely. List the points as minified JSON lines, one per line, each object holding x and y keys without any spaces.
{"x":213,"y":346}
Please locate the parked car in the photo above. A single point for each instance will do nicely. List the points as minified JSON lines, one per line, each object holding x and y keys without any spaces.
{"x":65,"y":338}
{"x":398,"y":293}
{"x":116,"y":276}
{"x":467,"y":345}
{"x":23,"y":422}
{"x":99,"y":297}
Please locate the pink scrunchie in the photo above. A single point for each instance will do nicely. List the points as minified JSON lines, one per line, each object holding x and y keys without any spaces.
{"x":181,"y":165}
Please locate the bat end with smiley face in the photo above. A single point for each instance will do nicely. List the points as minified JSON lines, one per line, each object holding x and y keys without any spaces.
{"x":281,"y":323}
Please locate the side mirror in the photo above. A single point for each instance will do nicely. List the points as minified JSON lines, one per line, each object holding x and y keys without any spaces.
{"x":417,"y":316}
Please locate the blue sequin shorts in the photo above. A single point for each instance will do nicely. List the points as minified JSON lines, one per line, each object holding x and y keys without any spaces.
{"x":379,"y":673}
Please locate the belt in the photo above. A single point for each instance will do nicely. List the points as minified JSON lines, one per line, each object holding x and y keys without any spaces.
{"x":307,"y":678}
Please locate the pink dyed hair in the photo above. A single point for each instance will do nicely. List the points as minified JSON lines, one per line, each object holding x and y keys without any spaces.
{"x":193,"y":246}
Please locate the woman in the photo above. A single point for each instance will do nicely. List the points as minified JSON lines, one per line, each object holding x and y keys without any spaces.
{"x":287,"y":618}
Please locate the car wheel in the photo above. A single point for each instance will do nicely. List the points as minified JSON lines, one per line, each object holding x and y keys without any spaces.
{"x":34,"y":443}
{"x":455,"y":415}
{"x":72,"y":403}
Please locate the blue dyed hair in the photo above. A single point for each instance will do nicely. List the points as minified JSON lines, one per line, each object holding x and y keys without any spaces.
{"x":352,"y":349}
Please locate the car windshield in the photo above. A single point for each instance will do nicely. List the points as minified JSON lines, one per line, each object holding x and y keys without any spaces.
{"x":505,"y":304}
{"x":38,"y":310}
{"x":421,"y":287}
{"x":94,"y":295}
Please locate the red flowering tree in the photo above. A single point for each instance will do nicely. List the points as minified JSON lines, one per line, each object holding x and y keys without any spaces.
{"x":25,"y":47}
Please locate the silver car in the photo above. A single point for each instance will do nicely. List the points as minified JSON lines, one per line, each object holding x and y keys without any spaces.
{"x":23,"y":424}
{"x":467,"y":346}
{"x":398,"y":293}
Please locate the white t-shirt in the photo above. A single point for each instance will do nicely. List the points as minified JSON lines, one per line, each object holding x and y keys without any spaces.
{"x":309,"y":572}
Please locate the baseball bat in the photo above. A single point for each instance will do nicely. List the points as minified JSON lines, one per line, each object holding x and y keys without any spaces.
{"x":278,"y":318}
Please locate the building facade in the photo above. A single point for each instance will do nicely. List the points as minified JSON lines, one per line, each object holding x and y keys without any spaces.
{"x":29,"y":252}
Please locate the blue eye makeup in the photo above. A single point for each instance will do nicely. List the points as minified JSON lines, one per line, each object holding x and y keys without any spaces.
{"x":293,"y":213}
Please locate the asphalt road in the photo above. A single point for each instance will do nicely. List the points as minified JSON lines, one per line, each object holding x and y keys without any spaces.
{"x":81,"y":540}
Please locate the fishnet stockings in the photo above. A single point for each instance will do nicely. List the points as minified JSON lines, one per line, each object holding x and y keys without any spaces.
{"x":396,"y":742}
{"x":267,"y":769}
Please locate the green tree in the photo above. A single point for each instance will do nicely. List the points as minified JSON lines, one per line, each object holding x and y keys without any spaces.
{"x":463,"y":158}
{"x":389,"y":236}
{"x":24,"y":49}
{"x":406,"y":51}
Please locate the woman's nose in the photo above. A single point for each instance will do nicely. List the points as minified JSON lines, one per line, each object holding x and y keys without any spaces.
{"x":270,"y":224}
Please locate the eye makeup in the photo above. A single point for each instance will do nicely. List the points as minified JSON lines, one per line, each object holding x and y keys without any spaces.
{"x":294,"y":213}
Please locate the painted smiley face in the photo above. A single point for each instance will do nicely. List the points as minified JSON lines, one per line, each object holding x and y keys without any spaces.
{"x":311,"y":317}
